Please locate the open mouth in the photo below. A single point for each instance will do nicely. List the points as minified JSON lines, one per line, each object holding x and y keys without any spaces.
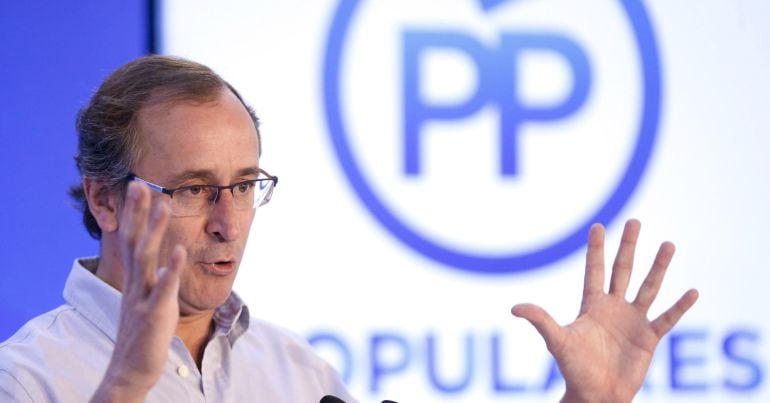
{"x":220,"y":267}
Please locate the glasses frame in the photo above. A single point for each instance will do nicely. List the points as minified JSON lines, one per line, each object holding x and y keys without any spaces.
{"x":170,"y":191}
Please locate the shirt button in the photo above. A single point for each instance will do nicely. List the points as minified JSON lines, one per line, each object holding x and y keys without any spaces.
{"x":183,"y":371}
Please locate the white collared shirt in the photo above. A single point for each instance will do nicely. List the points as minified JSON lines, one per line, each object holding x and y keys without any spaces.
{"x":61,"y":356}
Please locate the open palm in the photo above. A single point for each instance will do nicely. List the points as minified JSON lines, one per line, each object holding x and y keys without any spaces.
{"x":605,"y":353}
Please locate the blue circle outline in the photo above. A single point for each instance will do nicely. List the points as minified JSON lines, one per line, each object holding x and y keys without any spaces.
{"x":500,"y":264}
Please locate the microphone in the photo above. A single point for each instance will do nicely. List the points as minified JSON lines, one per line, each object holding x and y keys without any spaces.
{"x":335,"y":399}
{"x":331,"y":399}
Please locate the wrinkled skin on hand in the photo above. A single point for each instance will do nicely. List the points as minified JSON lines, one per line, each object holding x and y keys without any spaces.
{"x":149,"y":308}
{"x":605,"y":353}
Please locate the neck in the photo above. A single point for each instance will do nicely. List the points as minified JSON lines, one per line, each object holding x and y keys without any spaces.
{"x":195,"y":331}
{"x":110,"y":268}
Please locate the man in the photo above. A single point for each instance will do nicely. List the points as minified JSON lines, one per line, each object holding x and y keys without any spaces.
{"x":169,"y":156}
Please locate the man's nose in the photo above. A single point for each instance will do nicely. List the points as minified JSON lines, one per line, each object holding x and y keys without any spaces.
{"x":223,"y":223}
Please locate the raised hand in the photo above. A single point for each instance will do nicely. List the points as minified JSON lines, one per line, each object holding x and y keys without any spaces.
{"x":605,"y":353}
{"x":150,"y":308}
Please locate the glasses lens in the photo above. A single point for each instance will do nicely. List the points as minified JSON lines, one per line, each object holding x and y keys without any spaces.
{"x":192,"y":200}
{"x":243,"y":195}
{"x":264,"y":192}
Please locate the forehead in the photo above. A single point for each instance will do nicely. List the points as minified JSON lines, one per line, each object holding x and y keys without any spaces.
{"x":178,"y":137}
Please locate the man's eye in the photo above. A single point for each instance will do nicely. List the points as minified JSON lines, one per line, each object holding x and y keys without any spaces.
{"x":244,"y":187}
{"x":194,"y":191}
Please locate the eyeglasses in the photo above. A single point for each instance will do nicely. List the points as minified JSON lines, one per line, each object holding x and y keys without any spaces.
{"x":193,"y":200}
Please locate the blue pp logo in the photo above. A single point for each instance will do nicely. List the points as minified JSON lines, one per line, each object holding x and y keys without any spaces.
{"x":553,"y":164}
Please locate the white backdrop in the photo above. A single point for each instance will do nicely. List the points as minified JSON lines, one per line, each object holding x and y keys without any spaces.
{"x":403,"y":325}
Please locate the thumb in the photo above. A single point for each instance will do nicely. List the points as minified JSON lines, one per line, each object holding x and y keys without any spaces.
{"x":543,"y":322}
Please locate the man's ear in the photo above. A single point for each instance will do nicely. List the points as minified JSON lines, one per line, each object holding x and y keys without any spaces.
{"x":102,"y":203}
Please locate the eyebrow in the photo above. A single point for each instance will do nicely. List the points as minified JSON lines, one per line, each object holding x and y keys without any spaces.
{"x":209,"y":175}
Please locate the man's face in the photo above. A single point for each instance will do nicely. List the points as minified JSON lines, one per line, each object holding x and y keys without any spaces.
{"x":211,"y":143}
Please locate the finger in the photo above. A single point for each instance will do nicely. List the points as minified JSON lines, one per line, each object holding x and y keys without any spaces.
{"x":543,"y":322}
{"x":167,"y":287}
{"x":624,"y":261}
{"x":668,"y":319}
{"x":148,"y":248}
{"x":649,"y":289}
{"x":133,"y":218}
{"x":593,"y":282}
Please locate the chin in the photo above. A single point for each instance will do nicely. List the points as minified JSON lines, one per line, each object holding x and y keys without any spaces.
{"x":201,"y":303}
{"x":204,"y":294}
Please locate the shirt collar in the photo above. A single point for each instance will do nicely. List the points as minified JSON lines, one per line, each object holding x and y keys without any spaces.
{"x":98,"y":302}
{"x":232,"y":318}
